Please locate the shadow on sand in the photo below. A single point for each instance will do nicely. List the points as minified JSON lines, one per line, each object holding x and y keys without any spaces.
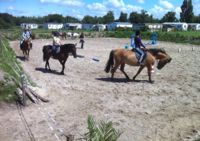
{"x":121,"y":80}
{"x":22,"y":58}
{"x":47,"y":71}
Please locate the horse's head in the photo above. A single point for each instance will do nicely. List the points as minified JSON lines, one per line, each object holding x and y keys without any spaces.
{"x":164,"y":58}
{"x":161,"y":55}
{"x":163,"y":62}
{"x":69,"y":48}
{"x":74,"y":50}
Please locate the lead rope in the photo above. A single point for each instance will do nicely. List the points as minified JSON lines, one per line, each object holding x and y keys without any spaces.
{"x":24,"y":121}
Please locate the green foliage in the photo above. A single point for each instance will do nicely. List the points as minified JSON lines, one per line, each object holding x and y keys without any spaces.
{"x":103,"y":131}
{"x":109,"y":17}
{"x":169,"y":17}
{"x":8,"y":66}
{"x":142,"y":17}
{"x":186,"y":14}
{"x":7,"y":91}
{"x":69,"y":19}
{"x":123,"y":17}
{"x":191,"y":37}
{"x":6,"y":20}
{"x":57,"y":18}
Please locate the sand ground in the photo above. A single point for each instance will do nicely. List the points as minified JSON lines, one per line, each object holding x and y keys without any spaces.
{"x":167,"y":110}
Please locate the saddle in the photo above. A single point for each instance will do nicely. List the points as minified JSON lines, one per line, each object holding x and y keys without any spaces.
{"x":138,"y":55}
{"x":55,"y":51}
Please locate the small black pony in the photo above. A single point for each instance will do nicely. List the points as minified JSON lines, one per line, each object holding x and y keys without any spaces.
{"x":61,"y":56}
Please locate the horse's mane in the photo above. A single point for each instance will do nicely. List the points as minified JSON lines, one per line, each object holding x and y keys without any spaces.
{"x":155,"y":51}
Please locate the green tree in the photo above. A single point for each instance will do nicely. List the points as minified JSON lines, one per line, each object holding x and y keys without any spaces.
{"x":134,"y":17}
{"x":145,"y":17}
{"x":169,"y":17}
{"x":6,"y":20}
{"x":54,"y":18}
{"x":69,"y":19}
{"x":108,"y":18}
{"x":187,"y":11}
{"x":88,"y":20}
{"x":123,"y":17}
{"x":142,"y":17}
{"x":196,"y":19}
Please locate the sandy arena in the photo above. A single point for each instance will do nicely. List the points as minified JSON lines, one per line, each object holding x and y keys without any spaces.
{"x":167,"y":110}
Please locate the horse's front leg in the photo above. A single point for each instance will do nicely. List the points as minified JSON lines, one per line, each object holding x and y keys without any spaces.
{"x":47,"y":65}
{"x":138,"y":72}
{"x":28,"y":53}
{"x":63,"y":66}
{"x":149,"y":68}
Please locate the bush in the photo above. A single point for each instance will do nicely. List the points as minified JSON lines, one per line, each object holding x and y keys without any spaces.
{"x":103,"y":131}
{"x":7,"y":65}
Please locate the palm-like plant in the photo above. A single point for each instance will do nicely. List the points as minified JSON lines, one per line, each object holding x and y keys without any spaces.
{"x":103,"y":131}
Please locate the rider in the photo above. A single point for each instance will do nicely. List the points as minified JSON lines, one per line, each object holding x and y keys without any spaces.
{"x":56,"y":43}
{"x":26,"y":35}
{"x":137,"y":44}
{"x":81,"y":37}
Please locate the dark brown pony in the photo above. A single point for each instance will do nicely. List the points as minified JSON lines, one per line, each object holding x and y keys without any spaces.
{"x":120,"y":57}
{"x":62,"y":56}
{"x":26,"y":46}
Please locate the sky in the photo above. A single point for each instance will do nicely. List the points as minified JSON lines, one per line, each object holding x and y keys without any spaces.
{"x":81,"y":8}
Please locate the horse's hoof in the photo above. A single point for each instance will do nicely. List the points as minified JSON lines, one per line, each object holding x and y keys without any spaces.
{"x":151,"y":81}
{"x":127,"y":78}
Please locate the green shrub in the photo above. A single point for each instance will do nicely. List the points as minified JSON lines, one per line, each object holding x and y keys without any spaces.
{"x":7,"y":65}
{"x":103,"y":131}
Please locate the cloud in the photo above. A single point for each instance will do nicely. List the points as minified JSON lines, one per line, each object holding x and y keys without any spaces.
{"x":157,"y":11}
{"x":140,"y":1}
{"x":133,"y":8}
{"x":114,"y":3}
{"x":96,"y":6}
{"x":166,"y":4}
{"x":196,"y":7}
{"x":177,"y":11}
{"x":64,"y":2}
{"x":10,"y":8}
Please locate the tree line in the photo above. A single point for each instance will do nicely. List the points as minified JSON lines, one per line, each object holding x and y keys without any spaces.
{"x":186,"y":15}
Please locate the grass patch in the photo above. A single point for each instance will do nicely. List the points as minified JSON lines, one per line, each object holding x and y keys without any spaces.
{"x":7,"y":92}
{"x":8,"y":64}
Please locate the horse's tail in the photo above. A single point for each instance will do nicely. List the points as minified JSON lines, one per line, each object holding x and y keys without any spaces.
{"x":44,"y":53}
{"x":110,"y":62}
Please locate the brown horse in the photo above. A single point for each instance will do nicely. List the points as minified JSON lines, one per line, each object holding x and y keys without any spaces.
{"x":26,"y":46}
{"x":120,"y":57}
{"x":62,"y":56}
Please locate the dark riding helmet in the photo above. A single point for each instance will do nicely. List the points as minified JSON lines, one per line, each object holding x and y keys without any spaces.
{"x":57,"y":34}
{"x":137,"y":33}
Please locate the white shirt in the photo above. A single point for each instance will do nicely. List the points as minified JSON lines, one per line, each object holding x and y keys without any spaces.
{"x":56,"y":41}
